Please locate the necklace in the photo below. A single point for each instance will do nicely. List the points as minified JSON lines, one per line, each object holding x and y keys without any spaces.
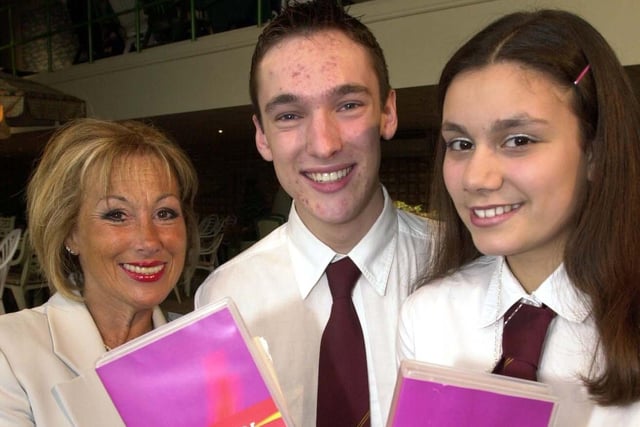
{"x":106,"y":347}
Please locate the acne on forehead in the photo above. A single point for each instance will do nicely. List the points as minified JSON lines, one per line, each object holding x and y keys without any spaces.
{"x":321,"y":42}
{"x":329,"y":64}
{"x":305,"y":59}
{"x":299,"y":70}
{"x":311,"y":71}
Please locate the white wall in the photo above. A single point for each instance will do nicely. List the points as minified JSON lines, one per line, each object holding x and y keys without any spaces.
{"x":417,"y":36}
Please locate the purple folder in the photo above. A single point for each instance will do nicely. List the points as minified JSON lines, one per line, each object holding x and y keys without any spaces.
{"x":431,"y":395}
{"x":202,"y":369}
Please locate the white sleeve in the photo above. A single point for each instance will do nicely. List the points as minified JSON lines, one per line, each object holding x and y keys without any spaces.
{"x":406,"y":332}
{"x":15,"y":409}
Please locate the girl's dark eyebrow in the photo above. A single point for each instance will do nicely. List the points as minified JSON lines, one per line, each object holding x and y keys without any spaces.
{"x":498,"y":125}
{"x":453,"y":127}
{"x":505,"y":124}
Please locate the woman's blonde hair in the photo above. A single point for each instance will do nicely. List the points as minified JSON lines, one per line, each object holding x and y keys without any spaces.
{"x":87,"y":149}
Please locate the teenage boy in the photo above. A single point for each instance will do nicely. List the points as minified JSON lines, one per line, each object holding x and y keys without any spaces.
{"x":322,"y":100}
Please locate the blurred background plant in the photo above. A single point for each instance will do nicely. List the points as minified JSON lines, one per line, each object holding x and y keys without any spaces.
{"x":414,"y":209}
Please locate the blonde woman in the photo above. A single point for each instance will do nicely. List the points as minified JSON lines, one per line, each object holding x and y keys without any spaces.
{"x":110,"y":210}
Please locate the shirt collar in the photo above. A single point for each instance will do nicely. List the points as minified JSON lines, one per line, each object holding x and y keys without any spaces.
{"x":373,"y":254}
{"x":555,"y":292}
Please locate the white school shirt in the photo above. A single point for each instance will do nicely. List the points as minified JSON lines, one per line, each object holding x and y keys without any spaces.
{"x":457,"y":321}
{"x":283,"y":295}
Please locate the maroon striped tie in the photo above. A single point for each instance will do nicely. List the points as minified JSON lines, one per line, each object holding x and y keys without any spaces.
{"x":525,"y":328}
{"x":343,"y":385}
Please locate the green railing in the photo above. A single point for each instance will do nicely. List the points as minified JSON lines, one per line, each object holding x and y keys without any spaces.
{"x":142,"y":8}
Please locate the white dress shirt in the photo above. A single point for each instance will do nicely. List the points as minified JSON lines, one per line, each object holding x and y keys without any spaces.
{"x":457,"y":321}
{"x":282,"y":292}
{"x":47,"y":361}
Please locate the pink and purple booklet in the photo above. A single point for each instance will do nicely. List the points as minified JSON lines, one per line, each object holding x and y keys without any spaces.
{"x":433,"y":395}
{"x":202,"y":369}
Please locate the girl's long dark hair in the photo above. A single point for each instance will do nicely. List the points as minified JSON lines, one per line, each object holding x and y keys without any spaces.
{"x":600,"y":255}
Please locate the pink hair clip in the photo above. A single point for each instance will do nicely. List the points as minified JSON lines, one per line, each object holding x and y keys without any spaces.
{"x":581,"y":75}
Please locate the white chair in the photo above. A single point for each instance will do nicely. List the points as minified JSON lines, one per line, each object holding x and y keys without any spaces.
{"x":209,"y":253}
{"x":18,"y":256}
{"x":25,"y":276}
{"x":210,"y":225}
{"x":207,"y":259}
{"x":8,"y":247}
{"x":211,"y":229}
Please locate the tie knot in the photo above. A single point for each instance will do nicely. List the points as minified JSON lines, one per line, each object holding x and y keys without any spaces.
{"x":342,"y":276}
{"x":529,"y":317}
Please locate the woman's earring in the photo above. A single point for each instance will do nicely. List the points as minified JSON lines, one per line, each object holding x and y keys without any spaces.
{"x":71,"y":252}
